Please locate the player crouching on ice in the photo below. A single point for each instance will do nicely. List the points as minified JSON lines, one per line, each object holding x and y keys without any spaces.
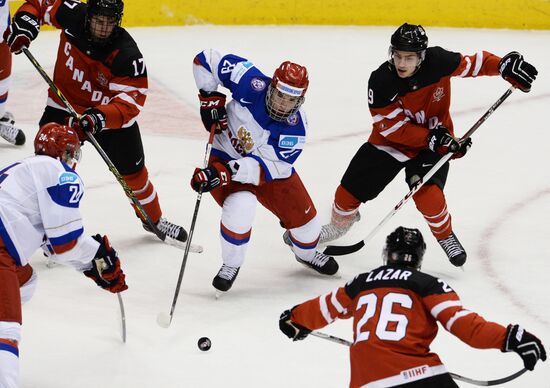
{"x":39,"y":205}
{"x":258,"y":139}
{"x":395,"y":309}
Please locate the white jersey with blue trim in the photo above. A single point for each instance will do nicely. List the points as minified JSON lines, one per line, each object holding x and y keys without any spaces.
{"x":4,"y":17}
{"x":253,"y":138}
{"x":39,"y":198}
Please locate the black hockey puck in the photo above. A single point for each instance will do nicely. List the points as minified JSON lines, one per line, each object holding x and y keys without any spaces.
{"x":204,"y":344}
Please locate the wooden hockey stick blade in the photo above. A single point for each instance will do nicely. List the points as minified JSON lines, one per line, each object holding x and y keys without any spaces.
{"x":486,"y":383}
{"x":195,"y":248}
{"x":340,"y":250}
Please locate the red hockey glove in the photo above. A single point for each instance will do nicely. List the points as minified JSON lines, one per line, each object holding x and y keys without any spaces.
{"x":441,"y":141}
{"x":291,"y":329}
{"x":106,"y":271}
{"x":24,"y":28}
{"x":464,"y":147}
{"x":515,"y":70}
{"x":74,"y":124}
{"x":93,"y":121}
{"x":213,"y":110}
{"x":529,"y":347}
{"x":211,"y":177}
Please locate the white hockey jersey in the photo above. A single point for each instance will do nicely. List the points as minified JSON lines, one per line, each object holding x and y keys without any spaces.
{"x":39,"y":199}
{"x":4,"y":17}
{"x":256,"y":141}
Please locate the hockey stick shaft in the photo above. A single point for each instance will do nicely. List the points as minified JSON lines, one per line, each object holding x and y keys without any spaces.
{"x":127,"y":190}
{"x":193,"y":222}
{"x":122,"y":317}
{"x":483,"y":383}
{"x":336,"y":250}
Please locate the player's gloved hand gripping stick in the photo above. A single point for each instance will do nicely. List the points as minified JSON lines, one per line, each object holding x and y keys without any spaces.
{"x":338,"y":250}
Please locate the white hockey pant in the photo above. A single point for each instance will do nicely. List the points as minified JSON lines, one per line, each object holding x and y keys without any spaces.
{"x":238,"y":212}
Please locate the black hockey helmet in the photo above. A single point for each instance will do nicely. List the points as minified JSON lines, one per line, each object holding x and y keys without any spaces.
{"x":409,"y":37}
{"x":404,"y":246}
{"x":111,"y":8}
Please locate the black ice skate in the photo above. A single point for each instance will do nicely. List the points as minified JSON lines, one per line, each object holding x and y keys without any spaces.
{"x":224,"y":279}
{"x":454,"y":250}
{"x":321,"y":263}
{"x":9,"y":132}
{"x":168,"y":229}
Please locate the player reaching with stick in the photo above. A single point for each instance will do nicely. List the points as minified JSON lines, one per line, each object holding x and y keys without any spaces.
{"x":260,"y":134}
{"x":395,"y":310}
{"x":39,"y":206}
{"x":409,"y":98}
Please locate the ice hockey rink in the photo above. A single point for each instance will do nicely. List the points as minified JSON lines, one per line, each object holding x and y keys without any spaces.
{"x":498,"y":195}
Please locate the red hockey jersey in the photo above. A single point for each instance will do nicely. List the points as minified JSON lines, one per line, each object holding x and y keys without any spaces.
{"x":395,"y":312}
{"x":112,"y":78}
{"x":404,"y":110}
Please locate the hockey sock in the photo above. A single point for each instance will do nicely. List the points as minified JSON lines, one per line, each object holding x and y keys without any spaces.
{"x":344,"y":208}
{"x":145,"y":193}
{"x":430,"y":201}
{"x":5,"y":72}
{"x":305,"y":239}
{"x":9,"y":363}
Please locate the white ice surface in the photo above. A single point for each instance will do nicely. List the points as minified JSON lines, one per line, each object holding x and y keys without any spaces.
{"x":499,"y":196}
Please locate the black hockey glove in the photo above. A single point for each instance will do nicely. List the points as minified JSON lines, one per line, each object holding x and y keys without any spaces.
{"x":105,"y":270}
{"x":441,"y":141}
{"x":515,"y":70}
{"x":211,"y":177}
{"x":291,"y":329}
{"x":529,"y":347}
{"x":464,"y":147}
{"x":24,"y":28}
{"x":92,"y":121}
{"x":213,"y":113}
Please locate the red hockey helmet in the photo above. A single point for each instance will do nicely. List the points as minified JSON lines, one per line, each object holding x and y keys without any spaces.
{"x":58,"y":141}
{"x":287,"y":90}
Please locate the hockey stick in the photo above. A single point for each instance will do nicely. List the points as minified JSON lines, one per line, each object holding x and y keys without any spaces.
{"x":50,"y":263}
{"x":483,"y":383}
{"x":127,"y":190}
{"x":164,"y":319}
{"x":122,"y":317}
{"x":338,"y":250}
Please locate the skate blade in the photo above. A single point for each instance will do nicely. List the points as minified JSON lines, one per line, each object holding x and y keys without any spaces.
{"x":219,"y":294}
{"x":181,"y":245}
{"x":323,"y":275}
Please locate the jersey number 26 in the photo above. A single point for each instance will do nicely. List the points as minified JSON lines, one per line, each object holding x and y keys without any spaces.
{"x":385,"y":316}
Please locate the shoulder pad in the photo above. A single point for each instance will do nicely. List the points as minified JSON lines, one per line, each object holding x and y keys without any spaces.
{"x":128,"y":60}
{"x":383,"y":86}
{"x":441,"y":61}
